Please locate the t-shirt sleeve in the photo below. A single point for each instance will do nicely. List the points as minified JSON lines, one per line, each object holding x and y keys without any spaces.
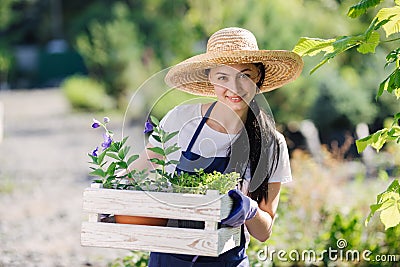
{"x":283,"y":173}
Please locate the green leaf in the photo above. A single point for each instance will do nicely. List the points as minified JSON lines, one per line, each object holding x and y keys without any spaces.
{"x":382,"y":87}
{"x":391,"y":84}
{"x":172,"y":162}
{"x":157,"y":161}
{"x":373,"y":208}
{"x":312,"y":46}
{"x":331,"y":47}
{"x":361,"y":7}
{"x":154,"y":120}
{"x":132,"y":159}
{"x":157,"y":150}
{"x":392,"y":14}
{"x":114,"y":147}
{"x":111,"y":168}
{"x":124,"y":140}
{"x":171,"y":149}
{"x":170,"y":135}
{"x":363,"y":143}
{"x":397,"y":93}
{"x":379,"y":139}
{"x":100,"y":158}
{"x":98,"y":172}
{"x":396,"y":117}
{"x":94,"y":158}
{"x":390,"y":210}
{"x":112,"y":155}
{"x":388,"y":202}
{"x":376,"y":140}
{"x":122,"y":164}
{"x":370,"y":44}
{"x":157,"y":138}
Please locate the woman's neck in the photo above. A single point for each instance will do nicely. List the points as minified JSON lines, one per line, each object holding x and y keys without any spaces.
{"x":224,"y":119}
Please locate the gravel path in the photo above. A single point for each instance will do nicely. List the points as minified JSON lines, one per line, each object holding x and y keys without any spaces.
{"x":43,"y":171}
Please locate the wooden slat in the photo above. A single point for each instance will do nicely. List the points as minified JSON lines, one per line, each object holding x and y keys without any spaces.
{"x":156,"y":204}
{"x":228,"y":238}
{"x":150,"y":238}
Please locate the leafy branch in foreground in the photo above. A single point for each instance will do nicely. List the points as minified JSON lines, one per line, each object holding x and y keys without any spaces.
{"x":388,"y":202}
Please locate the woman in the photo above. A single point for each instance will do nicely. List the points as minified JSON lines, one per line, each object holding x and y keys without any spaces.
{"x":231,"y":134}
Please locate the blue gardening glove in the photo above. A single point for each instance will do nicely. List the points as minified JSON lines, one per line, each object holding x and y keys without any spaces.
{"x":243,"y":208}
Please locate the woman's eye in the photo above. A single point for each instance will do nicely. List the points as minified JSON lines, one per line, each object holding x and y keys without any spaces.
{"x":244,"y":75}
{"x":221,"y":78}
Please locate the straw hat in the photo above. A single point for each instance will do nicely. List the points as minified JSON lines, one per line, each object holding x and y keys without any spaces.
{"x":234,"y":46}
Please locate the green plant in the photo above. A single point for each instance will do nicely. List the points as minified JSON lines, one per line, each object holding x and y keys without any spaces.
{"x":387,"y":19}
{"x":117,"y":174}
{"x":388,"y":203}
{"x":85,"y":93}
{"x":6,"y":64}
{"x":118,"y":152}
{"x":114,"y":53}
{"x":135,"y":259}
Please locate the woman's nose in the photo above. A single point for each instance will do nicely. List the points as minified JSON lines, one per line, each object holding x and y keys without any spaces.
{"x":236,"y":87}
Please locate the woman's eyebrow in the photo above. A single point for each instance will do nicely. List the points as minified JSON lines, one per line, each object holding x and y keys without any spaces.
{"x":221,"y":73}
{"x":245,"y":70}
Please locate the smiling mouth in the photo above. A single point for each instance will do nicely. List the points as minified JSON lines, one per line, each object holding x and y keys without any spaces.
{"x":235,"y":99}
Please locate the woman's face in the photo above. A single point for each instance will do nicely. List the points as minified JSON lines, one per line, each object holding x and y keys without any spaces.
{"x":235,"y":85}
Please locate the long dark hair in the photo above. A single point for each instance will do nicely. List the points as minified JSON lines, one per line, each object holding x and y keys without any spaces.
{"x":257,"y":147}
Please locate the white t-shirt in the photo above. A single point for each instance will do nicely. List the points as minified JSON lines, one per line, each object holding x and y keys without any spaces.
{"x":211,"y":143}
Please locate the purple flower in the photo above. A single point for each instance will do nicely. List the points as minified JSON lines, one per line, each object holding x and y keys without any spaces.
{"x":106,"y":119}
{"x":148,"y":126}
{"x":96,"y":124}
{"x":107,"y":141}
{"x":94,"y":152}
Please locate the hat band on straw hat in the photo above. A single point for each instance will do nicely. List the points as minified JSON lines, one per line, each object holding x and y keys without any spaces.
{"x":234,"y":46}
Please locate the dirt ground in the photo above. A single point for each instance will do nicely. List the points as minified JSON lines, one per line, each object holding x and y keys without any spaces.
{"x":43,"y":172}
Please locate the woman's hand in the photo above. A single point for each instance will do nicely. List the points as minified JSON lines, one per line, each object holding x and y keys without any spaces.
{"x":243,"y":209}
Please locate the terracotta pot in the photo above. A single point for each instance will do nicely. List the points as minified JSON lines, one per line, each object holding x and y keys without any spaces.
{"x":127,"y":219}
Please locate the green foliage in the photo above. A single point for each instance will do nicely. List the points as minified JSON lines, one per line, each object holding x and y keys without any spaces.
{"x":161,"y":136}
{"x":366,"y":42}
{"x":341,"y":106}
{"x":6,"y":63}
{"x":85,"y":93}
{"x":134,"y":259}
{"x":197,"y":183}
{"x":380,"y":137}
{"x":389,"y":20}
{"x":115,"y":174}
{"x":361,"y":7}
{"x":7,"y":17}
{"x":201,"y":182}
{"x":388,"y":203}
{"x":112,"y":52}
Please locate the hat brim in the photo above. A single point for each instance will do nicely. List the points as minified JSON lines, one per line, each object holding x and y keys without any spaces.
{"x":281,"y":67}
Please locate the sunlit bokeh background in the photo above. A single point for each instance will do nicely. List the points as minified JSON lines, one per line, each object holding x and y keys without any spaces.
{"x":63,"y":63}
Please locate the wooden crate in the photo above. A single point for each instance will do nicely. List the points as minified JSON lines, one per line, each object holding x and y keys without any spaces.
{"x":210,"y":208}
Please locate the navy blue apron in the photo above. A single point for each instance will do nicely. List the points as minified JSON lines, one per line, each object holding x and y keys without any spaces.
{"x":188,"y":162}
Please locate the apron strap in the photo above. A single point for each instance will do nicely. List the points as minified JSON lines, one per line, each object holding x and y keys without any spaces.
{"x":203,"y":121}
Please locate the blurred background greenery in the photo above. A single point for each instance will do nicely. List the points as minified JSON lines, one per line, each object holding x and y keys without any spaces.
{"x":120,"y":44}
{"x":100,"y":52}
